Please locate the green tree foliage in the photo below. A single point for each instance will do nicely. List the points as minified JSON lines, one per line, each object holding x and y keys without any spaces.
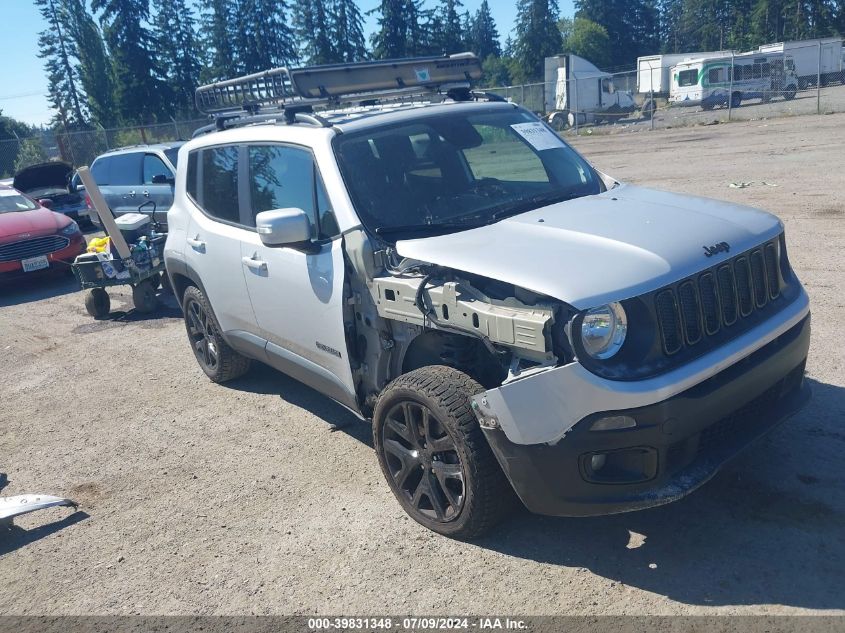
{"x":177,"y":47}
{"x":96,"y":74}
{"x":11,"y":131}
{"x":633,"y":26}
{"x":31,"y":153}
{"x":586,"y":39}
{"x":537,"y":37}
{"x":482,"y":36}
{"x":312,"y":22}
{"x":264,"y":38}
{"x":346,"y":26}
{"x":405,"y":29}
{"x":57,"y":49}
{"x":448,"y":36}
{"x":217,"y":34}
{"x":138,"y":85}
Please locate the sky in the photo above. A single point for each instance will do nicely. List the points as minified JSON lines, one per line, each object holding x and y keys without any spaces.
{"x":23,"y":85}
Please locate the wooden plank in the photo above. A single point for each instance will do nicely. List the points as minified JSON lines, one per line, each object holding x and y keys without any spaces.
{"x":106,"y":216}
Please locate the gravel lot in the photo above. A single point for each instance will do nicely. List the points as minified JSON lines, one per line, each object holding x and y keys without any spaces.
{"x":197,"y":498}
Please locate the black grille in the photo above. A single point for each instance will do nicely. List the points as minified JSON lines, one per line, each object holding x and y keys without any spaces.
{"x":670,"y":323}
{"x":761,"y":293}
{"x":32,"y":248}
{"x":719,"y":298}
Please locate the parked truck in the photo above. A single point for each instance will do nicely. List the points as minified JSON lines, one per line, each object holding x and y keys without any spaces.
{"x":815,"y":60}
{"x":578,"y":93}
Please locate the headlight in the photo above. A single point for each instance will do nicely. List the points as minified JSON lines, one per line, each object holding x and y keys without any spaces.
{"x":70,"y":229}
{"x":603,"y":330}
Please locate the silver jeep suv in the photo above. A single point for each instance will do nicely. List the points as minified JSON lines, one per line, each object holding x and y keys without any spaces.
{"x":510,"y":319}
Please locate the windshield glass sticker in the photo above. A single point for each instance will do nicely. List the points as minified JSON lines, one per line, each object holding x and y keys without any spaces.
{"x":422,"y":74}
{"x":538,"y":135}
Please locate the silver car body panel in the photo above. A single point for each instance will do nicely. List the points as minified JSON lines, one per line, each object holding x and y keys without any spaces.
{"x":558,"y":398}
{"x":592,"y":250}
{"x":11,"y":507}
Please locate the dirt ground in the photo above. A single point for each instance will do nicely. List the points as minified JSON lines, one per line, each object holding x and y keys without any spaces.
{"x":197,"y":498}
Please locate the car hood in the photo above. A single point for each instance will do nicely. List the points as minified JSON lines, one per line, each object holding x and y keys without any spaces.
{"x":21,"y":225}
{"x":588,"y":251}
{"x":52,"y":175}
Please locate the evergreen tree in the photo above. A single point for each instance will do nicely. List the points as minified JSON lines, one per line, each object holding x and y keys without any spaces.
{"x":448,"y":32}
{"x":586,"y":39}
{"x":313,"y":29}
{"x":483,"y":37}
{"x":537,"y":37}
{"x":56,"y":47}
{"x":633,"y":26}
{"x":346,"y":27}
{"x":177,"y":47}
{"x":138,"y":84}
{"x":96,"y":74}
{"x":218,"y":32}
{"x":263,"y":36}
{"x":391,"y":39}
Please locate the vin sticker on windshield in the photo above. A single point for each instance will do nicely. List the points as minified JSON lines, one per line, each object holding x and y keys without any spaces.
{"x":538,"y":135}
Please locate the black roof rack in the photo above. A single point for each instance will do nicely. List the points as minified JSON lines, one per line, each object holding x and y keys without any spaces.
{"x":336,"y":83}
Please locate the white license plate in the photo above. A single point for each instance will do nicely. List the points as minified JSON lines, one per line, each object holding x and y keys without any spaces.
{"x":35,"y":263}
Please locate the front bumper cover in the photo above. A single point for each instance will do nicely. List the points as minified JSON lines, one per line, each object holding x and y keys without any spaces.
{"x":688,"y":436}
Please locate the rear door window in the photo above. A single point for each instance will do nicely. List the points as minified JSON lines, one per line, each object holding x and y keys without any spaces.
{"x":219,"y":187}
{"x":124,"y":169}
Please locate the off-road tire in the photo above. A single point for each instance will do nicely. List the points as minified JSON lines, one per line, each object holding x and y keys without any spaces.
{"x":97,"y":303}
{"x":229,"y":364}
{"x":487,"y":495}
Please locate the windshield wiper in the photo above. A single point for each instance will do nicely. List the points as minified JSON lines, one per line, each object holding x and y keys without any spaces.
{"x":428,"y":229}
{"x":529,"y":203}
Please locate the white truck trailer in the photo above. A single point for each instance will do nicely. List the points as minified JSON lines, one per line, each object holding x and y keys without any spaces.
{"x":578,"y":93}
{"x":654,"y":78}
{"x":814,"y":59}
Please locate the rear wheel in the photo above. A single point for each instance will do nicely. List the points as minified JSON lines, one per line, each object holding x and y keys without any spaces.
{"x":434,"y":456}
{"x":789,"y":93}
{"x":219,"y":361}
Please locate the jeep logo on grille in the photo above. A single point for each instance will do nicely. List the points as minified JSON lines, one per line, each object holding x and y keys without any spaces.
{"x":721,"y":247}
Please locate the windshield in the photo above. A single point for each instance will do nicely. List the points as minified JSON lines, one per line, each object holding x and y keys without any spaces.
{"x":11,"y":200}
{"x":453,"y":171}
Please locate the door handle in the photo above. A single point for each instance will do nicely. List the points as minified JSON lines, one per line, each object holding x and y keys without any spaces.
{"x":146,"y":193}
{"x":132,"y":194}
{"x":255,"y":264}
{"x":196,"y":244}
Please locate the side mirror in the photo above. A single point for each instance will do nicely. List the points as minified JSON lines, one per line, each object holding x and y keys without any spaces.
{"x":282,"y":227}
{"x":161,"y":179}
{"x":46,"y":203}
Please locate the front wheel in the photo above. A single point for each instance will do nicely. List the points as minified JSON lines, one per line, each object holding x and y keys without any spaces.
{"x":434,"y":455}
{"x":736,"y":99}
{"x":789,"y":93}
{"x":219,"y":361}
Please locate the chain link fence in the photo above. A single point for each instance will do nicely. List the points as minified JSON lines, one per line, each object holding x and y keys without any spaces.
{"x":777,"y":80}
{"x":82,"y":147}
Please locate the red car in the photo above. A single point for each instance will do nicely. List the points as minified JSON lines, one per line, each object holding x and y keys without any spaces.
{"x":33,"y":238}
